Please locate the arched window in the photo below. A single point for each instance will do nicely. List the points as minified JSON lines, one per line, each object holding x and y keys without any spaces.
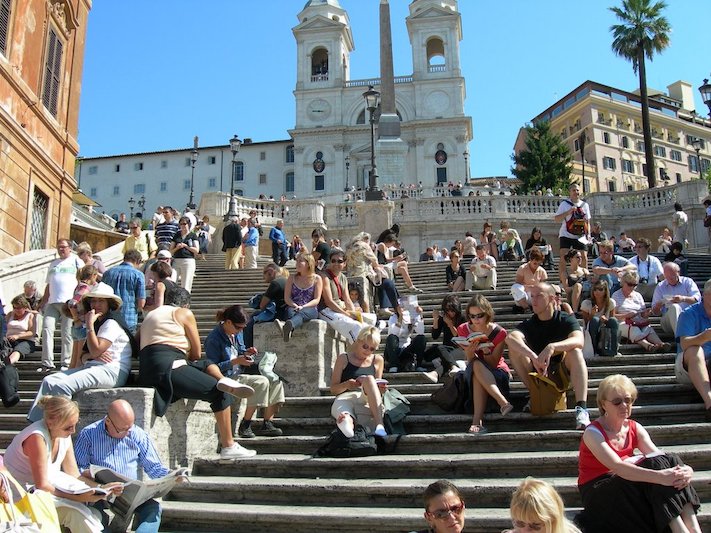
{"x":319,"y":65}
{"x":239,"y":171}
{"x":289,"y":182}
{"x":290,"y":153}
{"x":436,"y":61}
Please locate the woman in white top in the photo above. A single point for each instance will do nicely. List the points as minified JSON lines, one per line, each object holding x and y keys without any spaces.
{"x":106,"y":360}
{"x":42,"y":455}
{"x":21,"y":332}
{"x":633,"y":315}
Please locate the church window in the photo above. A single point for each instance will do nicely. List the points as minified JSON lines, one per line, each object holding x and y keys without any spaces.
{"x":319,"y":65}
{"x":319,"y":184}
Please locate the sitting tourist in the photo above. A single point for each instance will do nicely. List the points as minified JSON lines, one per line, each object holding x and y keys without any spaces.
{"x":575,"y":278}
{"x":665,"y":241}
{"x":676,"y":255}
{"x":510,"y":237}
{"x":355,"y":291}
{"x":391,"y":258}
{"x":596,"y":237}
{"x":623,"y":492}
{"x":490,"y":373}
{"x":625,"y":243}
{"x":672,"y":296}
{"x":560,"y":305}
{"x":170,"y":362}
{"x":302,"y":294}
{"x":633,"y":315}
{"x":428,"y":255}
{"x":161,"y":271}
{"x":537,"y":506}
{"x":536,"y":240}
{"x":550,"y":338}
{"x":29,"y":291}
{"x":21,"y":330}
{"x":609,"y":266}
{"x":353,"y":382}
{"x":106,"y":359}
{"x":693,"y":348}
{"x":445,"y":322}
{"x":42,"y":454}
{"x":482,"y":271}
{"x":599,"y":312}
{"x":270,"y":305}
{"x":455,"y":273}
{"x":405,"y":344}
{"x":224,"y":346}
{"x":649,"y":269}
{"x":468,"y":246}
{"x":528,"y":276}
{"x":444,"y":508}
{"x":488,"y":238}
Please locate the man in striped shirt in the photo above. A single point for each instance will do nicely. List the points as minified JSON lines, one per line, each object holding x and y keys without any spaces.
{"x":166,"y":230}
{"x":115,"y":442}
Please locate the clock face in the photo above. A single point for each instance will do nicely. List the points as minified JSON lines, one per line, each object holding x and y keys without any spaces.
{"x":318,"y":110}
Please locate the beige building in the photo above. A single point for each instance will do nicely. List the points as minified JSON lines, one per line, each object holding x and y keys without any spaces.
{"x":41,"y":60}
{"x":611,"y":120}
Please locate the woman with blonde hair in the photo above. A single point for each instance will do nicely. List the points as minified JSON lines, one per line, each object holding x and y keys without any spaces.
{"x":633,"y":315}
{"x":536,"y":506}
{"x":302,"y":294}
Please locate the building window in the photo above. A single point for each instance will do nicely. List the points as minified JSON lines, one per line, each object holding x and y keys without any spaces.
{"x":576,"y":145}
{"x":625,"y":142}
{"x":289,"y":182}
{"x":690,"y":140}
{"x":675,"y":155}
{"x":163,"y":186}
{"x":693,"y":163}
{"x":239,"y":192}
{"x":608,"y":163}
{"x":239,"y":171}
{"x":441,"y":175}
{"x":38,"y":223}
{"x":319,"y":184}
{"x":262,"y":179}
{"x":660,"y":151}
{"x":116,"y":191}
{"x":705,"y":163}
{"x":212,"y":183}
{"x":138,"y":166}
{"x":640,"y":146}
{"x":92,"y":192}
{"x":52,"y":72}
{"x":187,"y":162}
{"x":627,"y":166}
{"x":186,"y":185}
{"x":4,"y":25}
{"x":117,"y":168}
{"x":678,"y":177}
{"x":611,"y":185}
{"x":93,"y":170}
{"x":211,"y":160}
{"x":262,"y":156}
{"x":290,"y":153}
{"x":139,"y":188}
{"x":605,"y":137}
{"x":164,"y":164}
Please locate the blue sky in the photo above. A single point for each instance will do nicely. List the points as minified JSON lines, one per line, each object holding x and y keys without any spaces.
{"x":157,"y":73}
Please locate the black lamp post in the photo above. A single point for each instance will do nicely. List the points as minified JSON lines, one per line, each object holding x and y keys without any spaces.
{"x":131,"y":203}
{"x":193,"y":160}
{"x":235,"y":144}
{"x":582,"y":139}
{"x":696,"y":143}
{"x":466,"y":166}
{"x":141,"y":204}
{"x":348,"y":166}
{"x":705,"y":91}
{"x":371,"y":103}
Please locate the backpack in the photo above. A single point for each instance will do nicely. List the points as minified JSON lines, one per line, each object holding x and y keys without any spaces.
{"x":338,"y":445}
{"x":9,"y":377}
{"x":397,"y":407}
{"x":576,"y":224}
{"x":453,"y":394}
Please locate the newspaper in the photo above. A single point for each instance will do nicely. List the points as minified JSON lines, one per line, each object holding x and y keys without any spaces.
{"x":72,"y":485}
{"x":136,"y":492}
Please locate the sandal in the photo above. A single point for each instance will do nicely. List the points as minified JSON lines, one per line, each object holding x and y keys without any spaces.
{"x":506,"y":409}
{"x":476,"y":429}
{"x":663,"y":347}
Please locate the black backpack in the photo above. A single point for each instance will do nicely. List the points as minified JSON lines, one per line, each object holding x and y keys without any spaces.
{"x":338,"y":445}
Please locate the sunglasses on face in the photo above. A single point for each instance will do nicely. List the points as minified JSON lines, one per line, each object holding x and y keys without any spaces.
{"x":599,"y":289}
{"x":630,"y":284}
{"x":339,"y":261}
{"x":619,"y":401}
{"x":534,"y":526}
{"x":443,"y":514}
{"x":476,"y":316}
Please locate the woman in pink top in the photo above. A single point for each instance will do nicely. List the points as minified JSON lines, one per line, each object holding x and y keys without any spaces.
{"x":490,"y":373}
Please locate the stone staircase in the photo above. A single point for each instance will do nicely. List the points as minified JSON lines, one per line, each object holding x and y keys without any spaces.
{"x":284,"y":489}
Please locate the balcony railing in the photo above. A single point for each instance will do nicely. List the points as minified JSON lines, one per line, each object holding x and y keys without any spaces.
{"x":319,"y":77}
{"x":437,"y":68}
{"x":375,"y":81}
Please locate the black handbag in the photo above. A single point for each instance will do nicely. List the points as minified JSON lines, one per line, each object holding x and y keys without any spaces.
{"x":606,"y":342}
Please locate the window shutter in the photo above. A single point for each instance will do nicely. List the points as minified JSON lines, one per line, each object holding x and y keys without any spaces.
{"x":4,"y":25}
{"x":53,"y":65}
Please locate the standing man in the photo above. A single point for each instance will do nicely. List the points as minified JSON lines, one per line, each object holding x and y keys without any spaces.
{"x":680,"y":223}
{"x":61,"y":280}
{"x":232,"y":244}
{"x":694,"y":347}
{"x":574,"y":218}
{"x":251,"y":243}
{"x":139,"y":240}
{"x":649,"y":269}
{"x":166,"y":230}
{"x":547,"y":337}
{"x":114,"y":442}
{"x":276,"y":235}
{"x":129,"y":284}
{"x":672,"y":296}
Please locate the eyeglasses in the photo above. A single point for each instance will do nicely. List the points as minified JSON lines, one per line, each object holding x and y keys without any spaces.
{"x":533,"y":526}
{"x":630,"y":284}
{"x":619,"y":401}
{"x":443,"y":514}
{"x":476,"y":316}
{"x":183,"y":224}
{"x":369,"y":348}
{"x":599,"y":289}
{"x":116,"y":428}
{"x":339,"y":261}
{"x":62,"y":247}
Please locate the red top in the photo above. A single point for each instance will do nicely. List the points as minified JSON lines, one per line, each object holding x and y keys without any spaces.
{"x":589,"y":467}
{"x":464,"y":331}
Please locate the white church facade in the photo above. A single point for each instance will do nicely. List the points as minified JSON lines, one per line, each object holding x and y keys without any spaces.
{"x":329,"y":148}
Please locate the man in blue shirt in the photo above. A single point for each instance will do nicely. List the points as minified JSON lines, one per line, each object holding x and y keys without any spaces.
{"x":609,"y":267}
{"x":251,"y":245}
{"x":129,"y":283}
{"x":114,"y":442}
{"x":276,"y":235}
{"x":693,"y":341}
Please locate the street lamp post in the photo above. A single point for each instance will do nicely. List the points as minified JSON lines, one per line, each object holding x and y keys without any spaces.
{"x":371,"y":103}
{"x":696,"y":143}
{"x":193,"y":160}
{"x":235,"y":144}
{"x":582,"y":139}
{"x":466,"y":166}
{"x":705,"y":91}
{"x":141,"y":204}
{"x":348,"y":166}
{"x":131,"y":203}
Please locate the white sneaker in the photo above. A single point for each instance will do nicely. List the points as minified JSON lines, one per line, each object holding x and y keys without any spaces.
{"x":582,"y":418}
{"x":235,"y":388}
{"x":236,"y":451}
{"x":380,"y":431}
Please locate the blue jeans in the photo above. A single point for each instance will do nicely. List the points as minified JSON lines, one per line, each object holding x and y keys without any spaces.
{"x":594,"y":330}
{"x":148,"y":517}
{"x":299,"y":317}
{"x":389,"y":296}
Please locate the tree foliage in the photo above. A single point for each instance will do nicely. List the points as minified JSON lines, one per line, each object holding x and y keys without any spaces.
{"x":544,"y":163}
{"x":642,"y":32}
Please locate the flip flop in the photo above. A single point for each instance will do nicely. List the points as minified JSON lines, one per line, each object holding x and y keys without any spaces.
{"x":506,"y":409}
{"x":476,"y":429}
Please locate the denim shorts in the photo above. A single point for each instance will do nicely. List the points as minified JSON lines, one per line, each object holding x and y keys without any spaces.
{"x":78,"y":333}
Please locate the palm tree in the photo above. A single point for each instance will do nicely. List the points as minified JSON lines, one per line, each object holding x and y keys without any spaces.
{"x":644,"y":31}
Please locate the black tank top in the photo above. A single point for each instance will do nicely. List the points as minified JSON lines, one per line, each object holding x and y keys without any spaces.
{"x":352,"y":372}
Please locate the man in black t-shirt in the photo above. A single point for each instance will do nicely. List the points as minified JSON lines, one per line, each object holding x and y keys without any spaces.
{"x":272,"y":274}
{"x":546,"y":334}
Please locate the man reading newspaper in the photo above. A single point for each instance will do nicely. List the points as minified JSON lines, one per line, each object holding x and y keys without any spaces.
{"x":113,"y":445}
